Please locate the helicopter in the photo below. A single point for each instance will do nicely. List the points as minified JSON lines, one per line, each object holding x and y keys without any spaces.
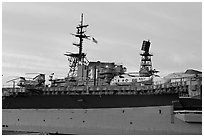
{"x":38,"y":80}
{"x":19,"y":83}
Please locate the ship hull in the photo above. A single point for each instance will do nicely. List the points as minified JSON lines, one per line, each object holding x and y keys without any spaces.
{"x":135,"y":120}
{"x":87,"y":101}
{"x":94,"y":114}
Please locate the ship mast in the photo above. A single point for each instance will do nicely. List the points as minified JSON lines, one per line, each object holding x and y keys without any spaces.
{"x":146,"y":62}
{"x":78,"y":59}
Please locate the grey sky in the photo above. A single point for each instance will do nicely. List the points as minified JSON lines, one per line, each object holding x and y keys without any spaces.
{"x":36,"y":35}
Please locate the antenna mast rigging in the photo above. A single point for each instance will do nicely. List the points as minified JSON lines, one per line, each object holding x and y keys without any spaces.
{"x":76,"y":59}
{"x":146,"y":62}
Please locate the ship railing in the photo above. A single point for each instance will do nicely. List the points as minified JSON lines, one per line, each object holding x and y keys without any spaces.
{"x":96,"y":90}
{"x":110,"y":89}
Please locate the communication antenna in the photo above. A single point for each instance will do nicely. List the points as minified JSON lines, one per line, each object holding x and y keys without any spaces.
{"x":76,"y":59}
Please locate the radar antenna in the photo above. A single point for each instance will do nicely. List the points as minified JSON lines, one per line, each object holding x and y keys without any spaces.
{"x":146,"y":62}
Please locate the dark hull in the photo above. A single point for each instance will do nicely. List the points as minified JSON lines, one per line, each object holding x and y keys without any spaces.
{"x":87,"y":101}
{"x":188,"y":104}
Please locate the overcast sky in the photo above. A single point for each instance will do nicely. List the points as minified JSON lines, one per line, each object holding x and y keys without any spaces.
{"x":35,"y":36}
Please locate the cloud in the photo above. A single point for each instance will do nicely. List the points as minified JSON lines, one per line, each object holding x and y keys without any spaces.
{"x":35,"y":35}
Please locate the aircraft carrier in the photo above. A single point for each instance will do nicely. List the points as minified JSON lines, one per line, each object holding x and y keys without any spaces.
{"x":101,"y":98}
